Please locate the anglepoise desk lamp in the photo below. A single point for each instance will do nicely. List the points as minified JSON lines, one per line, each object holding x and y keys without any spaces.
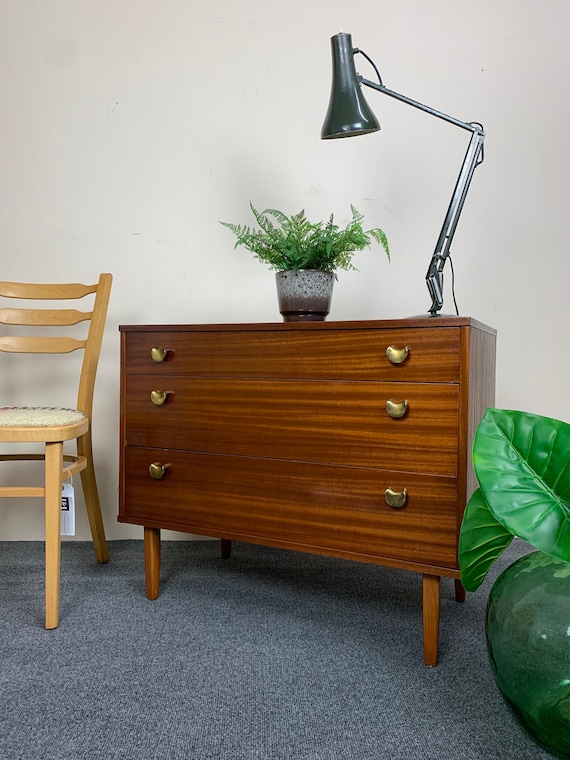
{"x":349,"y":114}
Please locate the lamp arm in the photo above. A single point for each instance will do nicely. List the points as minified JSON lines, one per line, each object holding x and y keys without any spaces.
{"x":434,"y":276}
{"x":428,"y":109}
{"x":473,"y":157}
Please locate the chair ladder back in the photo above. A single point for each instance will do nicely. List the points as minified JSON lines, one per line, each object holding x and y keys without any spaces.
{"x":54,"y":318}
{"x":33,"y":316}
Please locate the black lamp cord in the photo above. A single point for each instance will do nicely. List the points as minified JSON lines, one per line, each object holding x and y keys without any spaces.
{"x":370,"y":61}
{"x":453,"y":284}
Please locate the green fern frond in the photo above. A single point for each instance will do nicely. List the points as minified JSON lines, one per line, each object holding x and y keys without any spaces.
{"x":293,"y":242}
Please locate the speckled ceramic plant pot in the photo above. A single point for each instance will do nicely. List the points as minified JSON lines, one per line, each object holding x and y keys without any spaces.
{"x":305,"y":295}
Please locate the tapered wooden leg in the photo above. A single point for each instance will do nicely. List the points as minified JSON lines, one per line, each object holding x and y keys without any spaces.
{"x":225,"y":547}
{"x":152,"y":561}
{"x":53,"y":468}
{"x":84,"y":448}
{"x":459,"y":591}
{"x":431,"y":600}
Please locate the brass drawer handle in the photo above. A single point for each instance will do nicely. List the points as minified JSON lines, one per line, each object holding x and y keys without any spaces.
{"x":159,"y":354}
{"x":397,"y":355}
{"x":158,"y":470}
{"x":396,"y":499}
{"x":158,"y":398}
{"x":396,"y":409}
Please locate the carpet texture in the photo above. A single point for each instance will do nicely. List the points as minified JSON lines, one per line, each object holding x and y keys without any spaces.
{"x":268,"y":655}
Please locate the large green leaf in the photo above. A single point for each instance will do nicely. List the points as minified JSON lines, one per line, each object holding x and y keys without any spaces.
{"x":522,"y":462}
{"x":482,"y":539}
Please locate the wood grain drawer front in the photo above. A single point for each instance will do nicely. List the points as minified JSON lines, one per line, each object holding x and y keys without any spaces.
{"x":418,"y":355}
{"x":294,"y":504}
{"x":316,"y":421}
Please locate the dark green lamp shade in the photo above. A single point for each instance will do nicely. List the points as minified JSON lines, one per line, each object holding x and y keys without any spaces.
{"x":349,"y":113}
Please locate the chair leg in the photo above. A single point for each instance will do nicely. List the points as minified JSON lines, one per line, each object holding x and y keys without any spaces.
{"x":91,"y":495}
{"x":53,"y":468}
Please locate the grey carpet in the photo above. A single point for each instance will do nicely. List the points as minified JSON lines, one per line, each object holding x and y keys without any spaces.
{"x":269,"y":655}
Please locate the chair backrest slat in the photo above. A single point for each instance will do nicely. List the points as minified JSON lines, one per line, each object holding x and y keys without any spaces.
{"x":31,"y":344}
{"x":43,"y":317}
{"x":41,"y":291}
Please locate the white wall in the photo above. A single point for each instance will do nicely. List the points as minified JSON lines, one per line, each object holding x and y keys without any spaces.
{"x":129,"y":128}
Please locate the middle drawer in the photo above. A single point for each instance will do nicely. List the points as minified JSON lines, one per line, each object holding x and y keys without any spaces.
{"x":329,"y":422}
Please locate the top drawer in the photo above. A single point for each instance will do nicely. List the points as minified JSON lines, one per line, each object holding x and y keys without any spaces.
{"x":406,"y":354}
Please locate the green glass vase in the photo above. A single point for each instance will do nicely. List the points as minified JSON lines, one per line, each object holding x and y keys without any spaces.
{"x":528,"y":640}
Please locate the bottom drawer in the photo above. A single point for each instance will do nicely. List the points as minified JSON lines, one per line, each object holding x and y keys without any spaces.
{"x":294,"y":505}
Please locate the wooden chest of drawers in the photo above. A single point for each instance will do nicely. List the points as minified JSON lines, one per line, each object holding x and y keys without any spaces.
{"x":350,"y":439}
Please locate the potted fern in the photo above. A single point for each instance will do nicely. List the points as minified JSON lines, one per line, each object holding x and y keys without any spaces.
{"x":306,"y":256}
{"x":522,"y":463}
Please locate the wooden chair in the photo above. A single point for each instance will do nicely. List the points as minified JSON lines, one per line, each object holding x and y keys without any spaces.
{"x":53,"y":426}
